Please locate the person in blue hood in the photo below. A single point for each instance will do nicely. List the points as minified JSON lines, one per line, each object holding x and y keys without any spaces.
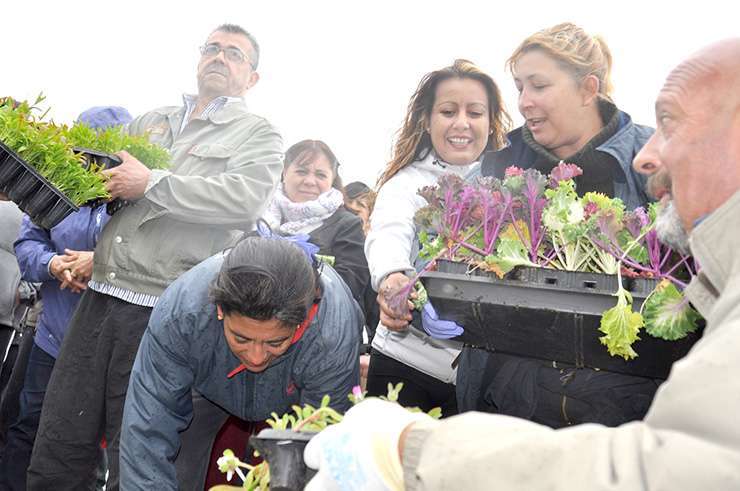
{"x":248,"y":332}
{"x":562,"y":75}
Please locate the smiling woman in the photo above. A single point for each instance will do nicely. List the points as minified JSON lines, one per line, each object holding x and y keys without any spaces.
{"x":310,"y":200}
{"x":562,"y":74}
{"x":455,"y":115}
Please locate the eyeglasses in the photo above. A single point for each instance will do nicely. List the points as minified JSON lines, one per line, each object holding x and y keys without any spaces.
{"x":231,"y":53}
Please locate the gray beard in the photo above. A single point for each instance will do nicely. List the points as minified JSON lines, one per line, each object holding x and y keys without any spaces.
{"x":670,"y":229}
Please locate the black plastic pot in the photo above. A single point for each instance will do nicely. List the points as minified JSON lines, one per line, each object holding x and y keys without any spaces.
{"x":40,"y":202}
{"x":23,"y":186}
{"x":576,"y":280}
{"x":283,"y":451}
{"x":56,"y":213}
{"x":31,"y":191}
{"x":643,"y":286}
{"x":545,"y":321}
{"x":10,"y":169}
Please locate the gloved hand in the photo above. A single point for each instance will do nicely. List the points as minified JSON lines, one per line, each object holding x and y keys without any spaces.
{"x":361,"y":452}
{"x":436,"y":327}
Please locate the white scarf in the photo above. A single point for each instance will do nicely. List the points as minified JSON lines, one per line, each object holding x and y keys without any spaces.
{"x":294,"y":218}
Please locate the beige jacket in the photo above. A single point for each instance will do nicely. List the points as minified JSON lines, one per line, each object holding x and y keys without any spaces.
{"x":224,"y":171}
{"x":689,"y":440}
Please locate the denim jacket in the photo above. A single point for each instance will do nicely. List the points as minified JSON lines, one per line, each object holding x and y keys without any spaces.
{"x":184,"y":348}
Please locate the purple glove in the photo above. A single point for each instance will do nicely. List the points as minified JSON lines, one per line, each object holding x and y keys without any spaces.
{"x":436,"y":327}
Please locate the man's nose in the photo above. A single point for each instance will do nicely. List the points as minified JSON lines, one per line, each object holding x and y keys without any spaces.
{"x":647,"y":161}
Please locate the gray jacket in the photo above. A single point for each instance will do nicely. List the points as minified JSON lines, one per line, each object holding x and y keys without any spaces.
{"x":689,"y":440}
{"x":10,"y":274}
{"x":224,"y":170}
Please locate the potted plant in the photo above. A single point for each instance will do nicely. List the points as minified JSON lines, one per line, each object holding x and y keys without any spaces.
{"x":529,"y":267}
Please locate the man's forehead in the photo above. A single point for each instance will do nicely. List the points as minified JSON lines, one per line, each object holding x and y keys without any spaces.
{"x":226,"y":39}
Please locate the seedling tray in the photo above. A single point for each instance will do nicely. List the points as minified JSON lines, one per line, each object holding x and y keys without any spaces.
{"x":547,"y":315}
{"x":106,"y":161}
{"x":32,"y":192}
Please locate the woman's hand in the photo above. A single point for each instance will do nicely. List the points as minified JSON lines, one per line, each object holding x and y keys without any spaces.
{"x":392,"y":318}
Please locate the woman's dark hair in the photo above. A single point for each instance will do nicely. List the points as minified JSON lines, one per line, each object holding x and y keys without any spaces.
{"x":263,"y":279}
{"x":305,"y":151}
{"x":355,"y":189}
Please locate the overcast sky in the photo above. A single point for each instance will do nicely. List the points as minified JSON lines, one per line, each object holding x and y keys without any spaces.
{"x":338,"y":71}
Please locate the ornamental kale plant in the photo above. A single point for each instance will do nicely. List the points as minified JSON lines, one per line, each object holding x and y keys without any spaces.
{"x":528,"y":219}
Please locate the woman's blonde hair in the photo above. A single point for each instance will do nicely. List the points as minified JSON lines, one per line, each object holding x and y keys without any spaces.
{"x":413,"y":141}
{"x":575,"y":50}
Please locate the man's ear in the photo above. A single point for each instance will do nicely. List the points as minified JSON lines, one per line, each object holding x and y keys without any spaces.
{"x":219,"y":313}
{"x":254,"y":77}
{"x":590,"y":89}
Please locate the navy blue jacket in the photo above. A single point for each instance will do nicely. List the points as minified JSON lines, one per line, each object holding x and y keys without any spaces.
{"x":184,"y":349}
{"x":34,"y":249}
{"x":629,"y":186}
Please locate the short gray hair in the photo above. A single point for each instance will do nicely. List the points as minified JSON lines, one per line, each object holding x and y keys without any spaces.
{"x":236,"y":29}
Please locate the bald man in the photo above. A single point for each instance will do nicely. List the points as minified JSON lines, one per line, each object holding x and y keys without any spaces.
{"x":690,"y":438}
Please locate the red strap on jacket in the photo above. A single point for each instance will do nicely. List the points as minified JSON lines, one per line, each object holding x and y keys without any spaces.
{"x":296,"y":336}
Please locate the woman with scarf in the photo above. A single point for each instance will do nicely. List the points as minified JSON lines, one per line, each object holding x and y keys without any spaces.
{"x":455,"y":115}
{"x":563,"y":78}
{"x":309,"y":200}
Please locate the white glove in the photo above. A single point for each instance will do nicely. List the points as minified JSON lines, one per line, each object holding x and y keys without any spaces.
{"x":361,"y":452}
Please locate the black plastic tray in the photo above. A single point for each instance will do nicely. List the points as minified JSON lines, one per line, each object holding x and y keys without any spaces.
{"x":32,"y":192}
{"x":283,"y":451}
{"x":106,"y":161}
{"x":545,"y":320}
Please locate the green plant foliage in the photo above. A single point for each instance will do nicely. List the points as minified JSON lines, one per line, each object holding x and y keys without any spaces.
{"x":304,"y":418}
{"x":510,"y":253}
{"x":112,"y":140}
{"x":621,"y":324}
{"x":668,"y":314}
{"x":330,"y":260}
{"x":421,"y":296}
{"x":44,"y":146}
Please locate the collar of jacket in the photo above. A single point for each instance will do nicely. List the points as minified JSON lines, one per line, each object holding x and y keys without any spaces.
{"x":714,"y":244}
{"x":433,"y":163}
{"x":234,"y":108}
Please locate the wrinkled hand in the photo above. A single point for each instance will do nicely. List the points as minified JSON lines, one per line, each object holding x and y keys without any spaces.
{"x":82,"y":266}
{"x":390,"y":318}
{"x":129,"y":179}
{"x":436,"y":327}
{"x":60,"y":268}
{"x":361,"y":452}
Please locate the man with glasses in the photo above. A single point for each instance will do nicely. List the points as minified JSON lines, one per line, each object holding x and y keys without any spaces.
{"x":225,"y":165}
